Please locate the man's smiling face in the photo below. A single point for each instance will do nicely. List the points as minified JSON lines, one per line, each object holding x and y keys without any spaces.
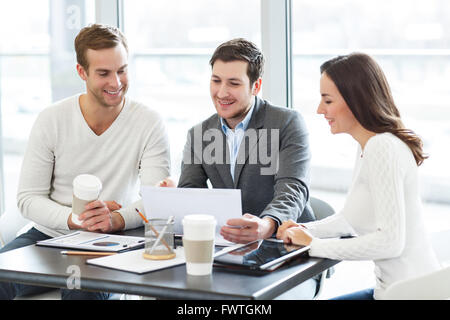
{"x":231,"y":91}
{"x":107,"y":76}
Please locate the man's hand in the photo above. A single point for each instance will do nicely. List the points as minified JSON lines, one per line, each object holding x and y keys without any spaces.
{"x":248,"y":228}
{"x":100,"y":216}
{"x":167,"y":182}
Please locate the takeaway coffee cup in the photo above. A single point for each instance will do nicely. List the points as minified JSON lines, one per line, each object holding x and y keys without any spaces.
{"x":86,"y":188}
{"x":198,"y":242}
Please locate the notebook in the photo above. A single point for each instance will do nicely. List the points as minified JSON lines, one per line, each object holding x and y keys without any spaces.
{"x":133,"y":261}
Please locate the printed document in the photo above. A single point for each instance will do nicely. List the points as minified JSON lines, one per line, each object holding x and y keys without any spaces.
{"x":93,"y":241}
{"x":223,"y":204}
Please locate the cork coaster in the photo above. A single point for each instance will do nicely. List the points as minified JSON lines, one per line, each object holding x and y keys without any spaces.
{"x":159,"y":257}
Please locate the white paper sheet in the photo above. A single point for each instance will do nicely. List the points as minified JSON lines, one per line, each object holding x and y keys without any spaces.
{"x":223,"y":204}
{"x":133,"y":261}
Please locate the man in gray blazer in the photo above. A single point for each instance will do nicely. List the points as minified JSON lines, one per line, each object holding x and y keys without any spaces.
{"x":250,"y":145}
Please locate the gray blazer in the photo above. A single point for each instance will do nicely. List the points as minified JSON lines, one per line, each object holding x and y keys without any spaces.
{"x":273,"y":165}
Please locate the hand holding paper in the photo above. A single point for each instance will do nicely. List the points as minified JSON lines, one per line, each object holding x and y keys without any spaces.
{"x":167,"y":183}
{"x":248,"y":228}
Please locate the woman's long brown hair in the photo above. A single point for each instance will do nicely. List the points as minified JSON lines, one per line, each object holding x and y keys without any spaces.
{"x":364,"y":87}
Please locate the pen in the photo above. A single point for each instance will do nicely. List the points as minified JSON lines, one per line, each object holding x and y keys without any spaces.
{"x":154,"y":230}
{"x":87,"y":253}
{"x":142,"y":216}
{"x":161,"y":234}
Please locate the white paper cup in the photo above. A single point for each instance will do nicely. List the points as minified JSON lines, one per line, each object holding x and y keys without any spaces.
{"x":198,"y":242}
{"x":86,"y":188}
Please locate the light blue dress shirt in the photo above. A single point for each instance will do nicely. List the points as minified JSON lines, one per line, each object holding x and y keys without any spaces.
{"x":234,"y":137}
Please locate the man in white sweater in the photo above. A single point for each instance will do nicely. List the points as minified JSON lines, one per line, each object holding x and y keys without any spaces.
{"x":100,"y":132}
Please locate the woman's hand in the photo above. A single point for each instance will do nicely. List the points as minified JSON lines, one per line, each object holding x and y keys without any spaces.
{"x":286,"y":225}
{"x":291,"y":232}
{"x":297,"y":235}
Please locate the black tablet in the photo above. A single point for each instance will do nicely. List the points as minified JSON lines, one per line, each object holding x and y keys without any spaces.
{"x":260,"y":255}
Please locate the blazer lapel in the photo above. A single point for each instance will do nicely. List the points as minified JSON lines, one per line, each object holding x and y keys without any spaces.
{"x":251,"y":138}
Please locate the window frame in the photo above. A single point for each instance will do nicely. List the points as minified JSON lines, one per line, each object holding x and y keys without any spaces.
{"x":2,"y":179}
{"x":276,"y":32}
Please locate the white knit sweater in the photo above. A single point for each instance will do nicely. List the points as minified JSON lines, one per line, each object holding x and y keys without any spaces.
{"x":133,"y":149}
{"x":383,"y":209}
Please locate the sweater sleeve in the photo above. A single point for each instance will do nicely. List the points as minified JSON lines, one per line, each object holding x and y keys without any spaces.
{"x":331,"y":227}
{"x":154,"y":167}
{"x":33,"y":196}
{"x":386,"y":188}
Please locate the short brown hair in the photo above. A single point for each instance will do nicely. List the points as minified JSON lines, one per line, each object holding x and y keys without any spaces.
{"x":364,"y":87}
{"x":97,"y":37}
{"x":243,"y":50}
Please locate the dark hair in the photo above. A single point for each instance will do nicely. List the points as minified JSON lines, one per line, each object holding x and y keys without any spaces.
{"x":243,"y":50}
{"x":97,"y":37}
{"x":364,"y":87}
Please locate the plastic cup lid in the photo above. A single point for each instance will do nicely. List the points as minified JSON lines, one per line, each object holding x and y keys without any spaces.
{"x":87,"y":182}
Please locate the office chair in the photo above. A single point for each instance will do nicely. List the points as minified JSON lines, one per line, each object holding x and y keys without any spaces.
{"x":431,"y":286}
{"x":321,"y":210}
{"x":11,"y":223}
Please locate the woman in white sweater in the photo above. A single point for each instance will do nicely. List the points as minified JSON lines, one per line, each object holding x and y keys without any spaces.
{"x":383,"y":207}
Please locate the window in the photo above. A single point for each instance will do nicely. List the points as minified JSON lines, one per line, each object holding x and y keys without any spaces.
{"x":408,"y":40}
{"x":37,"y":67}
{"x":171,"y":43}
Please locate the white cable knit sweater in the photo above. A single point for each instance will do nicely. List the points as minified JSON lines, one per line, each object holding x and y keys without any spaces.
{"x":133,"y":150}
{"x":383,"y":210}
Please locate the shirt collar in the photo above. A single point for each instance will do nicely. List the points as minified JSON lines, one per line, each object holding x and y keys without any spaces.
{"x":241,"y":125}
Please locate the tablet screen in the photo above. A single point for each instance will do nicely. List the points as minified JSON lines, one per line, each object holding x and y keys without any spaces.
{"x":260,"y":254}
